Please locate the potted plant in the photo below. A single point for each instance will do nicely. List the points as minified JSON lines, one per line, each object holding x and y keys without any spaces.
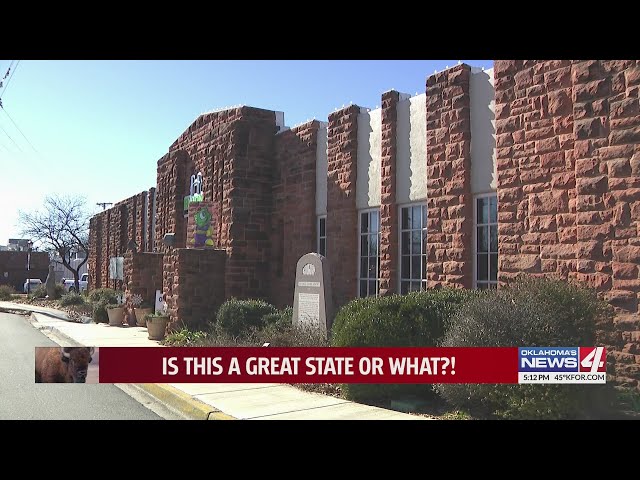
{"x":141,"y":309}
{"x":116,"y":314}
{"x":156,"y":325}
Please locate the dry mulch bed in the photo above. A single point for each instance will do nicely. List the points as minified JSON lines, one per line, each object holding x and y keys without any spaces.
{"x":75,"y":312}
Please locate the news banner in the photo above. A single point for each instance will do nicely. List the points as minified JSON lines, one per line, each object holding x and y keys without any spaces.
{"x":516,"y":365}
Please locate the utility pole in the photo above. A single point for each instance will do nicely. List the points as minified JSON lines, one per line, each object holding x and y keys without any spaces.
{"x":104,"y":205}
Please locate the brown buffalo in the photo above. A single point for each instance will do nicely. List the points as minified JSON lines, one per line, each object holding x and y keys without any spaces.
{"x":62,"y":365}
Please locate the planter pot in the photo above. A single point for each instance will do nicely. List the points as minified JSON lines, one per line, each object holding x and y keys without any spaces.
{"x":156,"y":327}
{"x":140,"y":314}
{"x":116,"y":316}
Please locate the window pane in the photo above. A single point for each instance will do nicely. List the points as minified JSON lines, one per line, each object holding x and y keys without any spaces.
{"x":416,"y":241}
{"x":493,"y":238}
{"x":323,"y":222}
{"x":482,"y":286}
{"x":481,"y":206}
{"x":406,"y":242}
{"x":364,"y":223}
{"x":364,"y":245}
{"x":482,"y":239}
{"x":493,"y":209}
{"x":405,"y":267}
{"x":404,"y":287}
{"x":416,"y":217}
{"x":405,"y":218}
{"x":373,"y":245}
{"x":493,"y":285}
{"x":424,"y":241}
{"x":372,"y":267}
{"x":482,"y":267}
{"x":373,"y":222}
{"x":364,"y":267}
{"x":423,"y":264}
{"x":424,"y":216}
{"x":423,"y":285}
{"x":372,"y":287}
{"x":363,"y":288}
{"x":323,"y":247}
{"x":415,"y":266}
{"x":493,"y":268}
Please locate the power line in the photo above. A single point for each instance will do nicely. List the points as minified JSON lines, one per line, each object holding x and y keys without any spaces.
{"x":5,"y":132}
{"x":12,"y":73}
{"x":6,"y":74}
{"x":16,"y":125}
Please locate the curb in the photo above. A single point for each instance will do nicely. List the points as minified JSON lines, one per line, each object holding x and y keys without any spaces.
{"x":171,"y":397}
{"x":53,"y":333}
{"x":183,"y":402}
{"x":20,"y":308}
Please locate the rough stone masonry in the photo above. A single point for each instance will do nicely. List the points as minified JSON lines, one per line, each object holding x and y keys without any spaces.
{"x":565,"y":143}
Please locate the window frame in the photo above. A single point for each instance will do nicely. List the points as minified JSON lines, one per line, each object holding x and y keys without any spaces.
{"x":475,"y":241}
{"x":359,"y":259}
{"x":423,"y":245}
{"x":319,"y":237}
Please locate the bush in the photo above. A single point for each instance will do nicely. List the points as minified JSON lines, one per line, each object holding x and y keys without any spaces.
{"x":281,"y":319}
{"x":103,"y":294}
{"x":418,"y":319}
{"x":185,"y":338}
{"x":240,"y":317}
{"x":99,"y":311}
{"x":285,"y":334}
{"x":39,"y":292}
{"x":533,"y":312}
{"x":6,"y":292}
{"x":72,"y":299}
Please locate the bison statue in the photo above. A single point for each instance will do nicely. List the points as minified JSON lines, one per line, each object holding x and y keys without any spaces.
{"x":63,"y":364}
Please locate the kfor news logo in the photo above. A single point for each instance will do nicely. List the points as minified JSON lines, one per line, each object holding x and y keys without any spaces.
{"x":562,"y":365}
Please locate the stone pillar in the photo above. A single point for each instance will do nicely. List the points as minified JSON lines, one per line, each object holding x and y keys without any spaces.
{"x":388,"y":206}
{"x":449,"y":204}
{"x":342,"y":215}
{"x":535,"y":163}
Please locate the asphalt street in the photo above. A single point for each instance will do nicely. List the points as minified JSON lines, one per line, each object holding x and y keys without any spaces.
{"x":21,"y":398}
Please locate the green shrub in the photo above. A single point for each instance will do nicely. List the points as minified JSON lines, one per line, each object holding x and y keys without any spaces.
{"x":99,"y":311}
{"x":281,"y":319}
{"x":39,"y":292}
{"x":58,"y":291}
{"x":72,"y":299}
{"x":533,"y":312}
{"x":285,"y":334}
{"x":103,"y":294}
{"x":185,"y":338}
{"x":6,"y":291}
{"x":418,"y":319}
{"x":240,"y":317}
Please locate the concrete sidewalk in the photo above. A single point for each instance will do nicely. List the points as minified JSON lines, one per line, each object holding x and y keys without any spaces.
{"x":210,"y":401}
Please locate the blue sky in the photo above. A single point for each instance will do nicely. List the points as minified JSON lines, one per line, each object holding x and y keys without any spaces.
{"x":99,"y":127}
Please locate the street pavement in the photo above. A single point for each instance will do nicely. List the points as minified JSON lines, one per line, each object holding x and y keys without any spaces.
{"x":22,"y":399}
{"x":210,"y":401}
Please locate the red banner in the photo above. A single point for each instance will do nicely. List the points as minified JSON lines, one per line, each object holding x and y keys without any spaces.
{"x":308,"y":365}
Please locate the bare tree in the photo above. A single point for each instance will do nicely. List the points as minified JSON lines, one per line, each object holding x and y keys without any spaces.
{"x":62,"y":227}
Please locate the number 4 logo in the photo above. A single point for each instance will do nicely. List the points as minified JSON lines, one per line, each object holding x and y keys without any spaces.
{"x":592,"y":359}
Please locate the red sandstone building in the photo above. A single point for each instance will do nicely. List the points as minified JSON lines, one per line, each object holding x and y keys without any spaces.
{"x":533,"y":166}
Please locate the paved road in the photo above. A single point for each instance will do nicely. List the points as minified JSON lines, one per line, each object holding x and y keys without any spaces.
{"x":22,"y":398}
